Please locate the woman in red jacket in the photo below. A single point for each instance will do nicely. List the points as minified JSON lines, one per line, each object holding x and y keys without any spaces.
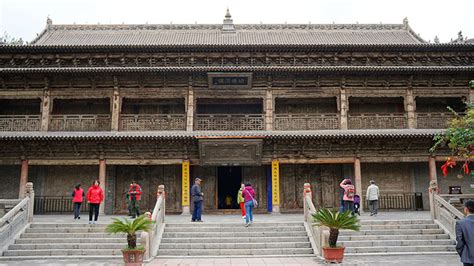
{"x":77,"y":198}
{"x":95,"y":195}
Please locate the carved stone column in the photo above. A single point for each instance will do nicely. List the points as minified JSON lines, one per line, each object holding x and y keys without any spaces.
{"x":116,"y":106}
{"x":46,"y":106}
{"x":306,"y":194}
{"x":269,"y":110}
{"x":190,"y":109}
{"x":23,"y":178}
{"x":432,"y":190}
{"x":30,"y":192}
{"x":358,"y":181}
{"x":343,"y":108}
{"x":410,"y":107}
{"x":102,"y":174}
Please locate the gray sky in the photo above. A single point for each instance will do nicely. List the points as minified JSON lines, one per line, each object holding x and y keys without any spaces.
{"x":26,"y":18}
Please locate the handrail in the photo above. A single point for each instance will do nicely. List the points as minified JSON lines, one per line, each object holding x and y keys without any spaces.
{"x":152,"y":239}
{"x":319,"y":234}
{"x":446,"y":214}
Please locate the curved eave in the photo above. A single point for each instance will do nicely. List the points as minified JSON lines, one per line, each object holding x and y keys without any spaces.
{"x":195,"y":135}
{"x":244,"y":47}
{"x":265,"y":69}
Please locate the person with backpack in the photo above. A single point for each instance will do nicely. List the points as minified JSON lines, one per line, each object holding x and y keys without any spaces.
{"x":249,"y":198}
{"x":349,"y":193}
{"x":77,"y":198}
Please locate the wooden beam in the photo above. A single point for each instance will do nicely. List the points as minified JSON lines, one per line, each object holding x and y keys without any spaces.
{"x":315,"y":161}
{"x":63,"y":162}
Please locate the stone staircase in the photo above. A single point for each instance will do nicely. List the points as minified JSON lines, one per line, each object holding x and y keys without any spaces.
{"x":66,"y":240}
{"x":233,"y":239}
{"x":379,"y":237}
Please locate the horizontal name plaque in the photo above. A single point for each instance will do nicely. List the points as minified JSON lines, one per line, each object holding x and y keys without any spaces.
{"x":229,"y":80}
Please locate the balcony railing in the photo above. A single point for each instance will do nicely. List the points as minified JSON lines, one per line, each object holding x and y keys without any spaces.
{"x":229,"y":122}
{"x":147,"y":122}
{"x":20,"y":122}
{"x":306,"y":121}
{"x":433,"y":120}
{"x":79,"y":123}
{"x":377,"y":121}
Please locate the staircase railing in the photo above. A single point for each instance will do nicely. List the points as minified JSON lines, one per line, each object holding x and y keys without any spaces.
{"x":152,"y":240}
{"x":446,"y":214}
{"x":319,"y":234}
{"x":14,"y":221}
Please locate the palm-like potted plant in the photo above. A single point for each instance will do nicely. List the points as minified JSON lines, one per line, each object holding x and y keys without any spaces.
{"x":335,"y":221}
{"x":132,"y":255}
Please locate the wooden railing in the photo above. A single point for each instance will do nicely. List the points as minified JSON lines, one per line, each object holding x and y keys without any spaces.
{"x":400,"y":201}
{"x":306,"y":121}
{"x":79,"y":123}
{"x":446,"y":214}
{"x":377,"y":121}
{"x":148,"y":122}
{"x":152,"y":240}
{"x":56,"y":204}
{"x":20,"y":122}
{"x":433,"y":120}
{"x":229,"y":122}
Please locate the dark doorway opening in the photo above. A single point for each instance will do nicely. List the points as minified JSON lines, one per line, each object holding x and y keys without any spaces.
{"x":229,"y":179}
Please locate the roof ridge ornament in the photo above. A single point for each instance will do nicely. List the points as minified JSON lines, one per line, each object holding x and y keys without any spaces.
{"x":405,"y":23}
{"x":228,"y":25}
{"x":49,"y":22}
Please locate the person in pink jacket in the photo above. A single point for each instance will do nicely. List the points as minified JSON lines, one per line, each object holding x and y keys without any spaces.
{"x":349,"y":193}
{"x":249,"y":202}
{"x":95,"y":195}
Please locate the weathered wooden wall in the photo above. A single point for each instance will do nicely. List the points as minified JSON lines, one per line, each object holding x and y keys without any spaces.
{"x":10,"y":180}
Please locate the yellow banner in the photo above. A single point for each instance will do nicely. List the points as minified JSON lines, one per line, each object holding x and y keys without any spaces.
{"x":185,"y":184}
{"x":275,"y":182}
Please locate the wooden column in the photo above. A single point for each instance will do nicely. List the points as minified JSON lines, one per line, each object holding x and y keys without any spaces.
{"x":190,"y":110}
{"x":115,"y":106}
{"x":102,"y":173}
{"x":275,"y":186}
{"x":471,"y":95}
{"x":185,"y":194}
{"x":410,"y":108}
{"x":46,"y":106}
{"x":23,"y":178}
{"x":358,"y":181}
{"x":343,"y":108}
{"x":269,"y":110}
{"x":432,"y":170}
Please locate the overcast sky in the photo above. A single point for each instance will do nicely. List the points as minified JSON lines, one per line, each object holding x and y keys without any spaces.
{"x":445,"y":18}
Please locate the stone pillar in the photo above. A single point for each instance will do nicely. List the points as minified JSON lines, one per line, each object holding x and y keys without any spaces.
{"x":30,"y":192}
{"x":46,"y":106}
{"x":190,"y":109}
{"x":343,"y":109}
{"x":269,"y":110}
{"x":115,"y":106}
{"x":306,"y":193}
{"x":410,"y":107}
{"x":358,"y":181}
{"x":23,"y":178}
{"x":185,"y":188}
{"x":433,"y":189}
{"x":102,"y":174}
{"x":275,"y":186}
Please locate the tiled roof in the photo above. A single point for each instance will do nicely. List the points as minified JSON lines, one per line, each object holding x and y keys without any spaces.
{"x":151,"y":135}
{"x":212,"y":34}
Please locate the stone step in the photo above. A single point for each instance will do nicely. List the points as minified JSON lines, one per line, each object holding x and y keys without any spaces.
{"x":399,"y":226}
{"x":235,"y":245}
{"x":71,"y":240}
{"x":63,"y":252}
{"x":66,"y":230}
{"x":238,"y":229}
{"x":235,"y":235}
{"x":114,"y":259}
{"x":236,"y":239}
{"x":71,"y":235}
{"x":232,"y":252}
{"x":390,"y":249}
{"x":393,"y":237}
{"x":66,"y":225}
{"x":56,"y":246}
{"x":378,"y":243}
{"x":392,"y":232}
{"x":395,"y":222}
{"x":227,"y":225}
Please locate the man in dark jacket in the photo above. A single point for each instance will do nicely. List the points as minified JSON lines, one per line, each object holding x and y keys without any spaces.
{"x":465,"y":235}
{"x":197,"y":194}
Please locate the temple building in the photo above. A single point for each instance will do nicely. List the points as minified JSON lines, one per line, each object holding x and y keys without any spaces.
{"x":277,"y":105}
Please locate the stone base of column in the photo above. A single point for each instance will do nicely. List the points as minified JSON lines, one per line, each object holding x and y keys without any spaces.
{"x":276,"y":209}
{"x":186,"y":210}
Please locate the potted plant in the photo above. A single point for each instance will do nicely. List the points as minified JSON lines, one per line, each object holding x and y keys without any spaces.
{"x":132,"y":255}
{"x":335,"y":221}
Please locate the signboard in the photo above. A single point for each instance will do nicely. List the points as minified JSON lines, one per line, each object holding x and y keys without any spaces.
{"x":185,"y":183}
{"x":230,"y":152}
{"x":455,"y":190}
{"x":220,"y":80}
{"x":275,"y":183}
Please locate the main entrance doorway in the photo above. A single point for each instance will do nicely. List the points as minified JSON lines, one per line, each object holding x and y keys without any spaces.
{"x":229,"y":179}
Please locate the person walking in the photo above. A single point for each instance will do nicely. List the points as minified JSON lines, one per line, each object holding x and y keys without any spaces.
{"x":372,"y":196}
{"x":134,"y":192}
{"x":77,"y":198}
{"x":349,"y":192}
{"x":249,"y":198}
{"x":240,"y":200}
{"x":465,"y":235}
{"x":95,"y":195}
{"x":197,"y":196}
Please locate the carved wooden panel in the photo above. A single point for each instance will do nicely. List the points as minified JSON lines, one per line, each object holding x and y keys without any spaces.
{"x":331,"y":192}
{"x":230,"y":152}
{"x":390,"y":177}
